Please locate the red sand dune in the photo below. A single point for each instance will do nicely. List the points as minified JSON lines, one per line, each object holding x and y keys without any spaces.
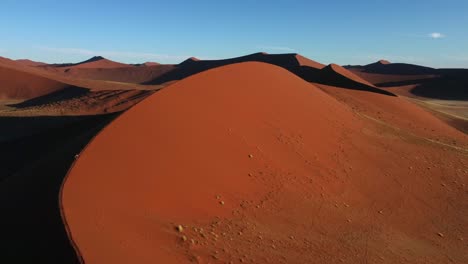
{"x":398,"y":113}
{"x":384,"y":62}
{"x":256,"y":165}
{"x":379,"y":79}
{"x":385,"y":67}
{"x":122,"y":74}
{"x":96,"y":62}
{"x":20,"y":85}
{"x":425,"y":82}
{"x":380,"y":73}
{"x":30,"y":63}
{"x":151,"y":63}
{"x":303,"y":61}
{"x":293,"y":62}
{"x":351,"y":76}
{"x":30,"y":91}
{"x":336,"y":75}
{"x":189,"y":61}
{"x":99,"y":62}
{"x":163,"y":74}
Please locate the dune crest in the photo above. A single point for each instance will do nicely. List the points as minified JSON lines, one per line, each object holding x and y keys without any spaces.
{"x":30,"y":63}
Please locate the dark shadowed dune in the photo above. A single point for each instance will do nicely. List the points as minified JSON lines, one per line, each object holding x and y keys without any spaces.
{"x":447,"y":84}
{"x":338,"y":76}
{"x":32,"y":168}
{"x":452,"y":85}
{"x":192,"y":65}
{"x":53,"y":97}
{"x":305,"y":68}
{"x":385,"y":67}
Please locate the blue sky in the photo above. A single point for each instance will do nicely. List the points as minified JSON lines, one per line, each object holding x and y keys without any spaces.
{"x":433,"y":33}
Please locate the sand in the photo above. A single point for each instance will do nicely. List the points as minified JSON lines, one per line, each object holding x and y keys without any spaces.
{"x":19,"y":85}
{"x":250,"y":163}
{"x":263,"y":158}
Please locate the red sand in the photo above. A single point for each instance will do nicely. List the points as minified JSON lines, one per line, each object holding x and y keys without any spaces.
{"x":303,"y":61}
{"x":384,"y":62}
{"x":151,"y":63}
{"x":30,"y":63}
{"x":376,"y":78}
{"x":122,"y":74}
{"x":398,"y":113}
{"x":19,"y":85}
{"x":45,"y":94}
{"x":348,"y":74}
{"x":102,"y":63}
{"x":259,"y":166}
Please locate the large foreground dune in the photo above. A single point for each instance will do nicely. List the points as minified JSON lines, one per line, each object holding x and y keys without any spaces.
{"x":250,"y":163}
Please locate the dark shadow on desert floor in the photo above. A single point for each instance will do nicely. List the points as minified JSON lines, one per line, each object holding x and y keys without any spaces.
{"x":35,"y":155}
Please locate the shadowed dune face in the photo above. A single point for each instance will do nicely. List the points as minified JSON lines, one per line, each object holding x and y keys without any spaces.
{"x":338,"y":76}
{"x":303,"y":61}
{"x":386,"y":80}
{"x":191,"y":66}
{"x":351,"y":76}
{"x":255,"y":164}
{"x":452,"y":85}
{"x":305,"y":68}
{"x":384,"y":67}
{"x":75,"y":101}
{"x":446,"y":84}
{"x":35,"y":155}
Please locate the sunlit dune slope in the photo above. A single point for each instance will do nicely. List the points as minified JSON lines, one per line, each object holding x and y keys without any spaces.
{"x":249,"y":163}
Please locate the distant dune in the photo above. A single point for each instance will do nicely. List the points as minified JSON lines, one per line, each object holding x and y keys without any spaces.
{"x":20,"y":85}
{"x":305,"y":68}
{"x":446,"y":84}
{"x":133,"y":75}
{"x":31,"y":91}
{"x":336,"y":75}
{"x":385,"y":67}
{"x":151,"y":63}
{"x":98,"y":62}
{"x":30,"y":63}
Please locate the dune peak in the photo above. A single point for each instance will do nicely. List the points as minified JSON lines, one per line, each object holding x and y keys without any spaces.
{"x":383,"y":62}
{"x":95,"y":58}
